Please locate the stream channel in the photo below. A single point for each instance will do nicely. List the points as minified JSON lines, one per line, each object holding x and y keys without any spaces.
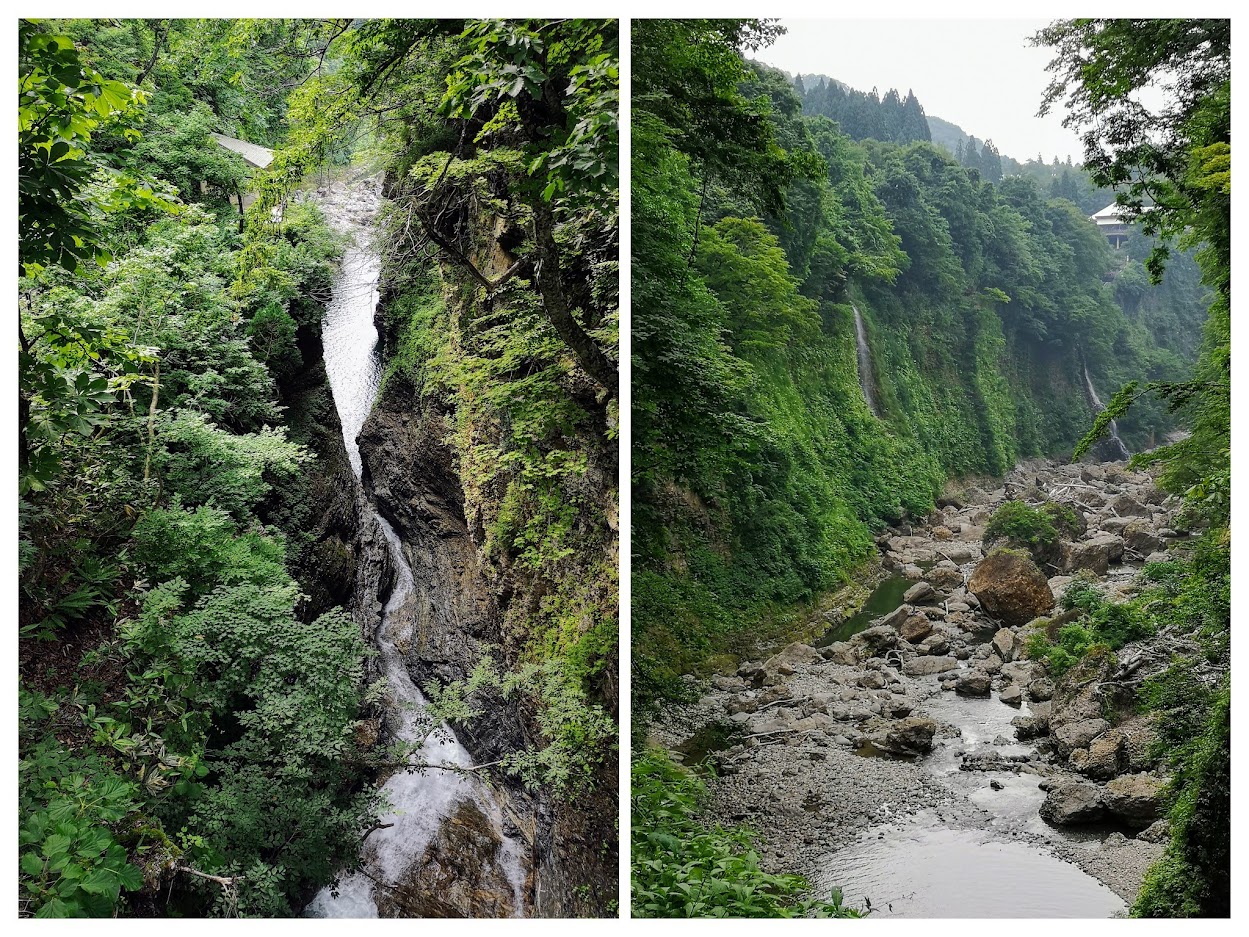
{"x":420,"y":801}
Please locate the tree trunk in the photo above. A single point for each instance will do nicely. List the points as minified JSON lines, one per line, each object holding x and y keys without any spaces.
{"x":555,"y":303}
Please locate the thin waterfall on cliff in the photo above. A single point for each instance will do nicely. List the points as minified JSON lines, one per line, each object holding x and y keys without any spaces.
{"x":1113,"y":443}
{"x":865,"y":363}
{"x":421,"y":801}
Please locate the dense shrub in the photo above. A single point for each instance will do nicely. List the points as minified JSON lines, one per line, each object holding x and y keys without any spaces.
{"x":682,"y":868}
{"x":1036,"y":530}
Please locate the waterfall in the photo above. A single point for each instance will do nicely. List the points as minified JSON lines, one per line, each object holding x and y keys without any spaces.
{"x":1113,"y":442}
{"x":420,"y":801}
{"x":865,"y":363}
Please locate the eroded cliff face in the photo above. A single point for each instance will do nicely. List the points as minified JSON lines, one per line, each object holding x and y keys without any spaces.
{"x":318,"y":508}
{"x":459,"y":607}
{"x":410,"y":475}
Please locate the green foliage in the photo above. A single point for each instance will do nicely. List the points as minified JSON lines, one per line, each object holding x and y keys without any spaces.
{"x":72,"y":808}
{"x":1193,"y":720}
{"x":61,"y":105}
{"x":1103,"y":625}
{"x":683,"y":869}
{"x":1023,"y":527}
{"x":195,"y":719}
{"x":203,"y":464}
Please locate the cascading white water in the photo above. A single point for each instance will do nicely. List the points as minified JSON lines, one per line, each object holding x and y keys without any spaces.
{"x":422,"y":801}
{"x":865,"y":363}
{"x":1113,"y":442}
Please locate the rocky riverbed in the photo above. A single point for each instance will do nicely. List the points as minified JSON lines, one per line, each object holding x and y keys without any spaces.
{"x":923,"y":764}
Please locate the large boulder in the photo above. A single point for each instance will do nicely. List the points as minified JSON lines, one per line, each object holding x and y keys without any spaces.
{"x":876,"y":639}
{"x":910,"y":736}
{"x":1095,"y":554}
{"x":844,"y":653}
{"x":973,"y":683}
{"x":1135,"y":798}
{"x":945,"y":577}
{"x":1141,"y":537}
{"x":1030,"y":727}
{"x":1073,"y":735}
{"x":1041,"y":690}
{"x":1010,"y":587}
{"x":915,"y":628}
{"x":1006,"y":644}
{"x":790,"y":660}
{"x":1125,"y":504}
{"x":919,"y":592}
{"x":896,"y":617}
{"x":1073,"y":803}
{"x":1123,"y":749}
{"x":926,"y":666}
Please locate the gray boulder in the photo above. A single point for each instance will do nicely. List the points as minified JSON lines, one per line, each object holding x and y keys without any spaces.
{"x":973,"y":683}
{"x":1072,"y":804}
{"x":910,"y":736}
{"x":1135,"y":798}
{"x":1072,"y":735}
{"x":919,"y":592}
{"x":915,"y":628}
{"x":926,"y":666}
{"x":1006,"y":644}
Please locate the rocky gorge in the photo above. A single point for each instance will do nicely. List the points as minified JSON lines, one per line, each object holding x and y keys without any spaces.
{"x":920,"y":760}
{"x":462,"y":837}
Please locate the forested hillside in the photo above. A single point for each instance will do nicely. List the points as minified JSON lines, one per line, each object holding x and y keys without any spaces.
{"x":828,"y":325}
{"x":202,"y":727}
{"x":759,"y":464}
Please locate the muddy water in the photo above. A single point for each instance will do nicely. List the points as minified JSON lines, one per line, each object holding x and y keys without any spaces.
{"x":920,"y":870}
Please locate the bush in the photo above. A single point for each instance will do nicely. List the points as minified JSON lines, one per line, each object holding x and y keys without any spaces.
{"x":1103,"y":624}
{"x":683,"y":869}
{"x":1032,"y":529}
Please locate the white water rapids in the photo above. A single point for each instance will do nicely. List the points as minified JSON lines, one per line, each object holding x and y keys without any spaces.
{"x":420,"y":802}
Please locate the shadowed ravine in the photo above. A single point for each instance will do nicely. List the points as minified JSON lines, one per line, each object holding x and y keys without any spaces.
{"x":394,"y":855}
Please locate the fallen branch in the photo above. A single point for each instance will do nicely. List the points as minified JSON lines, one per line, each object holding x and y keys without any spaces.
{"x":225,"y":881}
{"x":374,"y":828}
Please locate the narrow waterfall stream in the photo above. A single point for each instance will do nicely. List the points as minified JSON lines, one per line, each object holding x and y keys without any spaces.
{"x":865,"y":363}
{"x":1113,"y":443}
{"x":420,"y":801}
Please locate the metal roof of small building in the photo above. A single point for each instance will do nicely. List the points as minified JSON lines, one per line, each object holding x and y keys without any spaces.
{"x":1111,"y":214}
{"x":257,"y":156}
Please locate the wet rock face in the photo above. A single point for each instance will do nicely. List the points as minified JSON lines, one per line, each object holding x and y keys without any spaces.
{"x":457,"y":876}
{"x":1011,"y":588}
{"x":409,"y":472}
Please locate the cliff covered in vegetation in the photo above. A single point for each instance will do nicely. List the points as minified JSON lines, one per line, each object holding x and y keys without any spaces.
{"x":200,"y":711}
{"x":760,"y":469}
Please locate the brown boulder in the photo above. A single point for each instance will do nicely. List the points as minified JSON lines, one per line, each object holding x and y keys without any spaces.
{"x":1136,"y":798}
{"x":1010,"y":587}
{"x":915,"y":628}
{"x":1141,"y":537}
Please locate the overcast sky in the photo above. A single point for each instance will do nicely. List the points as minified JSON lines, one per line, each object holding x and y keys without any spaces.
{"x":979,"y":74}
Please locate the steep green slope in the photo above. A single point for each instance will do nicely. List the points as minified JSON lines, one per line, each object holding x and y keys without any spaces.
{"x":759,"y":470}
